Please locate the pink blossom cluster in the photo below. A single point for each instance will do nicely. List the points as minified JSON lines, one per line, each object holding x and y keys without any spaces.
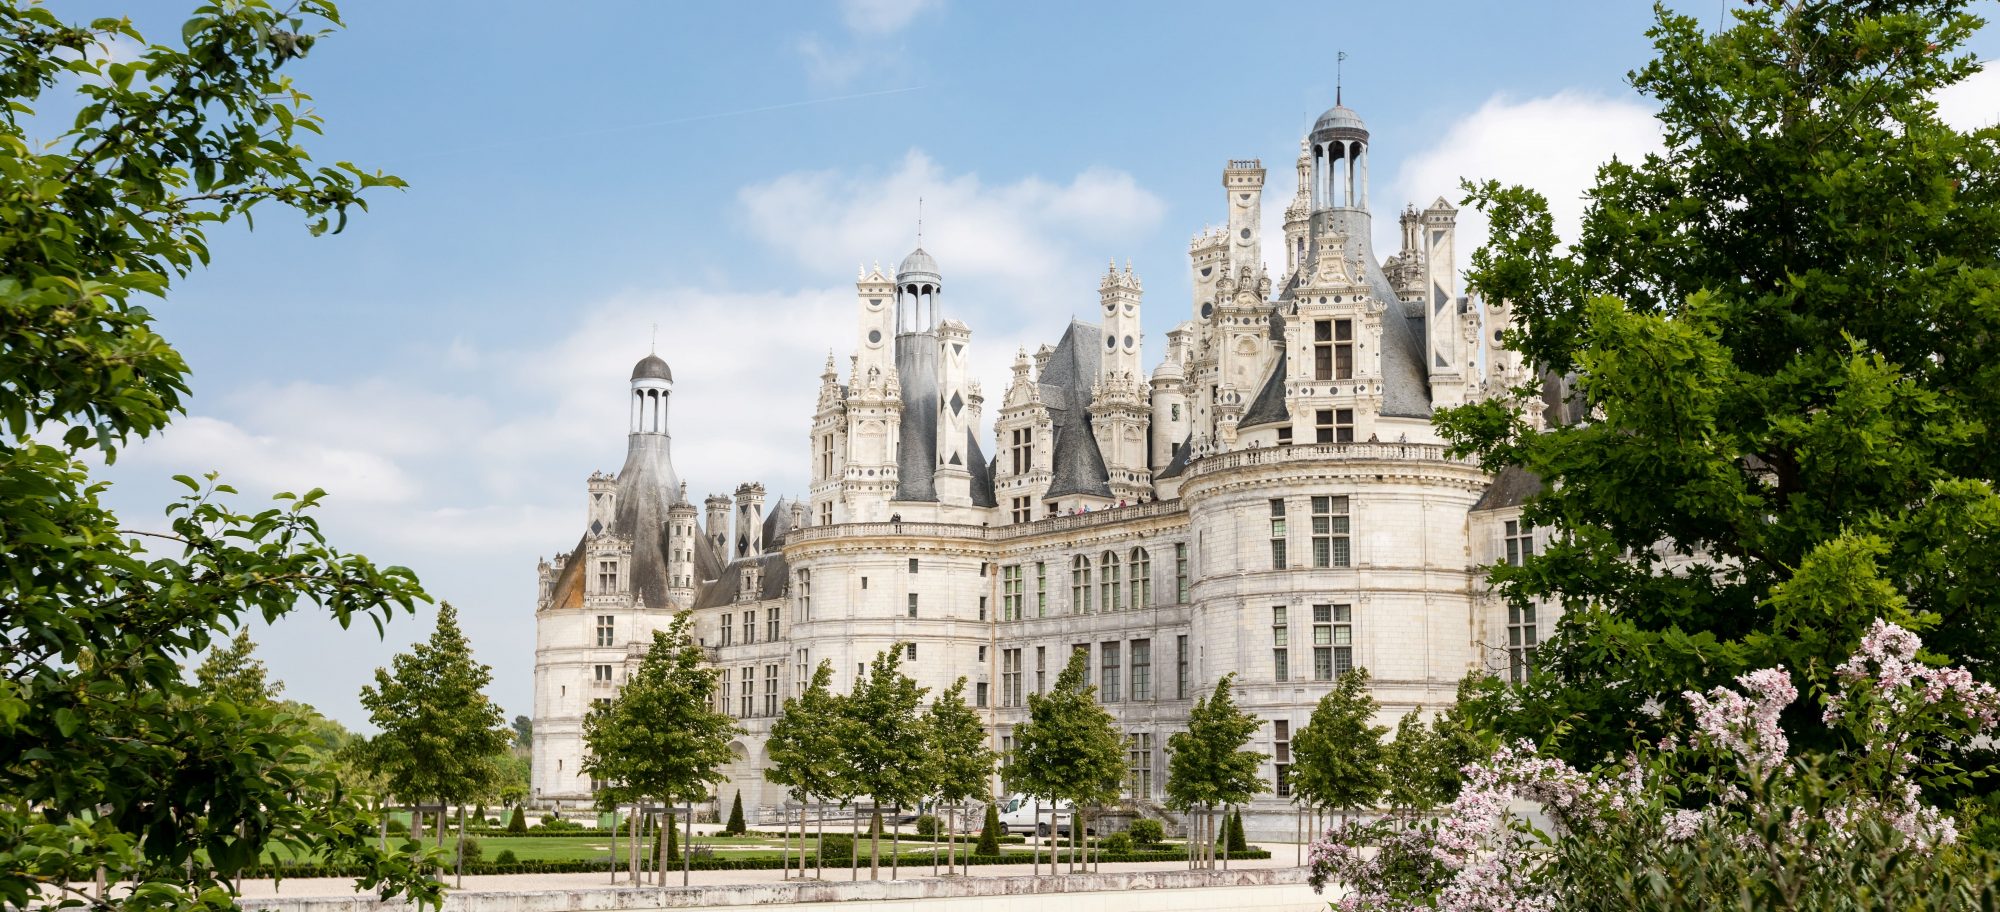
{"x":1748,"y":723}
{"x":1886,"y":668}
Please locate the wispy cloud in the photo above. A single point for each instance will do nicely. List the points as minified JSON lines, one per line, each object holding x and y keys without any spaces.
{"x":882,"y":16}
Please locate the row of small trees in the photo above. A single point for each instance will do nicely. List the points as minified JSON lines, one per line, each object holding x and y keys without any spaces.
{"x":1341,"y":762}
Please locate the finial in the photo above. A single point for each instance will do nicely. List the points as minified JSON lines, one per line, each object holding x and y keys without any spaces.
{"x":920,"y":221}
{"x":1339,"y":57}
{"x":654,"y":347}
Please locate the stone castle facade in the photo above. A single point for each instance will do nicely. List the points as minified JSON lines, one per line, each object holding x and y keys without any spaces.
{"x":1271,"y":501}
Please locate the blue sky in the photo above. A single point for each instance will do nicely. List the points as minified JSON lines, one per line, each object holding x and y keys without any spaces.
{"x":453,"y":366}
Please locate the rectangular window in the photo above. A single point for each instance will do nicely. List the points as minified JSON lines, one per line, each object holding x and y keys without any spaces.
{"x":913,"y":604}
{"x":1322,"y":350}
{"x":1323,"y":426}
{"x":909,"y":652}
{"x":771,"y":623}
{"x":982,"y":607}
{"x":607,"y":576}
{"x":1333,"y":641}
{"x":864,"y":583}
{"x":747,"y":689}
{"x":1041,"y":589}
{"x":1142,"y":670}
{"x":1520,"y":541}
{"x":1010,"y":677}
{"x":1023,"y":451}
{"x":1285,"y":435}
{"x":1079,"y":585}
{"x":1281,"y":635}
{"x":1139,"y":765}
{"x":1181,"y":667}
{"x":805,"y":595}
{"x":1107,"y":689}
{"x":602,"y":674}
{"x":1180,"y":573}
{"x":1023,"y":509}
{"x":728,"y":627}
{"x":1111,"y":596}
{"x":802,"y":672}
{"x":1085,"y":649}
{"x":982,"y":654}
{"x":1277,"y":534}
{"x":722,"y":693}
{"x":913,"y":565}
{"x":770,"y":690}
{"x":1041,"y":669}
{"x":1343,"y":349}
{"x":749,"y":626}
{"x":1522,"y":638}
{"x":1330,"y":532}
{"x":979,"y":695}
{"x":1281,"y":756}
{"x":606,"y":630}
{"x":826,"y":514}
{"x":1010,"y":593}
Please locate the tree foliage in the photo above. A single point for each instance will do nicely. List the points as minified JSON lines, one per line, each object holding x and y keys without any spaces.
{"x":1069,"y":749}
{"x":962,"y":760}
{"x":661,"y":737}
{"x":1337,"y":758}
{"x":116,"y":761}
{"x":805,"y":741}
{"x":440,"y":734}
{"x":1785,"y":330}
{"x":887,"y":758}
{"x":1207,"y":764}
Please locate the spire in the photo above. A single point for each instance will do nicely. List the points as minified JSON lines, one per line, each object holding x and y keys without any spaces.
{"x":1339,"y":57}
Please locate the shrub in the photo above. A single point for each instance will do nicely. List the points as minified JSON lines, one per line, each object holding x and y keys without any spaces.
{"x":836,"y":849}
{"x":1147,"y":833}
{"x":492,"y":822}
{"x":518,"y":823}
{"x":506,"y":857}
{"x":989,"y":835}
{"x":473,"y":850}
{"x":1116,"y":843}
{"x":1237,"y":844}
{"x":927,"y":825}
{"x":478,"y":812}
{"x":398,"y":828}
{"x":735,"y":825}
{"x":549,"y":818}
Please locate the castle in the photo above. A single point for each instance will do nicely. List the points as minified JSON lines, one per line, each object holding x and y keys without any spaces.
{"x":1272,"y":501}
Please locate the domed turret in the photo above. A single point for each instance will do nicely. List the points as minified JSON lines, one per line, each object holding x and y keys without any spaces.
{"x":1338,"y":144}
{"x":652,"y":367}
{"x":917,"y":287}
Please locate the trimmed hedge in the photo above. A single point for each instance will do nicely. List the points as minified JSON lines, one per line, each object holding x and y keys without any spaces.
{"x":714,"y":864}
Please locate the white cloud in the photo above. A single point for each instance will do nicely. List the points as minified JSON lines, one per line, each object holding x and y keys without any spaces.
{"x":1974,"y":103}
{"x":1021,"y":232}
{"x":830,"y":67}
{"x":882,"y":16}
{"x":1553,"y":144}
{"x":265,"y":462}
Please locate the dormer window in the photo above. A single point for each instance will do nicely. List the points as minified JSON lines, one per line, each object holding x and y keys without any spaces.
{"x":607,"y":576}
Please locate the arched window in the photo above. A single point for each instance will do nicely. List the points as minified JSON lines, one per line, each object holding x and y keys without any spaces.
{"x":1113,"y":598}
{"x":1142,"y":578}
{"x":1079,"y":585}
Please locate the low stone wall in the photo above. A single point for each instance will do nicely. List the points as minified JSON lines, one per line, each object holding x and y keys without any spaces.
{"x":956,"y":891}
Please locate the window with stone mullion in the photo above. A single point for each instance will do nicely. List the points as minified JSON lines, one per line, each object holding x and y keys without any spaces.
{"x":1142,"y":578}
{"x":1111,"y":594}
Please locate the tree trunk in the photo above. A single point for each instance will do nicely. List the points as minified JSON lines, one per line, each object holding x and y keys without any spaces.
{"x":687,"y":847}
{"x":785,"y":850}
{"x":875,"y":842}
{"x":854,"y":846}
{"x":614,"y":844}
{"x":1231,"y":825}
{"x":417,"y":823}
{"x":461,"y":846}
{"x":896,"y":845}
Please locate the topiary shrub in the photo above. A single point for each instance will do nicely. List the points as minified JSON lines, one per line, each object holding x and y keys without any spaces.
{"x":927,"y":825}
{"x":989,"y":834}
{"x":735,"y":825}
{"x":1116,"y":843}
{"x":506,"y":857}
{"x":518,"y":823}
{"x":478,"y":812}
{"x":1237,"y":844}
{"x":472,"y":849}
{"x":398,"y":828}
{"x":836,"y":849}
{"x":1147,"y":833}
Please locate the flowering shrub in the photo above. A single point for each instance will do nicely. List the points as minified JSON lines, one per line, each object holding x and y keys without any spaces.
{"x":1719,"y":815}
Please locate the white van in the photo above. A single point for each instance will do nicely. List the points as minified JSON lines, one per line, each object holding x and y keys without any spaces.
{"x":1018,"y":816}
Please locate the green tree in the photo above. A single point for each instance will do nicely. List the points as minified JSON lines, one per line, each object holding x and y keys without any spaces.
{"x":116,"y":762}
{"x":1069,"y":750}
{"x":518,"y":822}
{"x":1337,"y":758}
{"x":439,"y":732}
{"x":1208,"y":767}
{"x":1415,"y":766}
{"x":524,"y":732}
{"x":805,"y":746}
{"x":962,"y":767}
{"x":234,"y":673}
{"x":889,"y":761}
{"x":1785,"y":331}
{"x":660,"y":737}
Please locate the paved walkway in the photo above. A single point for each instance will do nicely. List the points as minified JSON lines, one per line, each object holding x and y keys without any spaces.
{"x":1281,"y":857}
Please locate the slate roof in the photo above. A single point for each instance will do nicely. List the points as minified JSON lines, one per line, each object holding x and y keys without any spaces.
{"x":723,"y":588}
{"x":1511,"y":488}
{"x":1406,"y":390}
{"x":916,"y":453}
{"x":647,"y":486}
{"x":982,"y":472}
{"x":1066,"y":392}
{"x":1269,"y":406}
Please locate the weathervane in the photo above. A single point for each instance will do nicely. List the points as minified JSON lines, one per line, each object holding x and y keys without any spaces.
{"x":920,"y":221}
{"x":1339,"y":57}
